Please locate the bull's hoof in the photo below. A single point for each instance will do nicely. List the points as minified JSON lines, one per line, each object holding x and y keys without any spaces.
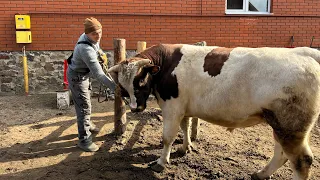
{"x":255,"y":176}
{"x":156,"y":167}
{"x":193,"y":139}
{"x":183,"y":151}
{"x":194,"y":135}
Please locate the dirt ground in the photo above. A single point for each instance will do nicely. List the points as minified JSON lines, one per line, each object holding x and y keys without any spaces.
{"x":38,"y":141}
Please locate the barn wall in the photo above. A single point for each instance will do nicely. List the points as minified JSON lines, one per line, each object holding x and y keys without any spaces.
{"x":56,"y":25}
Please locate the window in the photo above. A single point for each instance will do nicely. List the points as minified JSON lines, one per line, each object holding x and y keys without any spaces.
{"x":248,"y":6}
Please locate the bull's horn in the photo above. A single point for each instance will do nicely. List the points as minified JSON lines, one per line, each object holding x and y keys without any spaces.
{"x":114,"y":69}
{"x":142,"y":62}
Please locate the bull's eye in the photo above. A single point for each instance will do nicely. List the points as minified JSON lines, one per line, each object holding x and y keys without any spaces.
{"x":142,"y":82}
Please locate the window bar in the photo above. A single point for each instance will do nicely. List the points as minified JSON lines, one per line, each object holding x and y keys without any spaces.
{"x":246,"y":5}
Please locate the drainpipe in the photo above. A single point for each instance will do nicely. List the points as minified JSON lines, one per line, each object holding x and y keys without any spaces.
{"x":25,"y":71}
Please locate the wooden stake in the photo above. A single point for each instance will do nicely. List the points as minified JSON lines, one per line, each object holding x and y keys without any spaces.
{"x":120,"y":116}
{"x":141,"y":46}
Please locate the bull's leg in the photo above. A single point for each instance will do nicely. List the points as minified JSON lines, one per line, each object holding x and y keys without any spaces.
{"x":278,"y":159}
{"x":293,"y":133}
{"x":185,"y":126}
{"x":298,"y":152}
{"x":194,"y":128}
{"x":170,"y":130}
{"x":300,"y":157}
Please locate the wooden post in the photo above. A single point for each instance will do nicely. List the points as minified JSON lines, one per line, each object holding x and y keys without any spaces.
{"x":120,"y":116}
{"x":141,"y":46}
{"x":194,"y":128}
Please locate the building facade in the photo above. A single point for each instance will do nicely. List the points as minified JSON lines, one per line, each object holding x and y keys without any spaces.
{"x":56,"y":26}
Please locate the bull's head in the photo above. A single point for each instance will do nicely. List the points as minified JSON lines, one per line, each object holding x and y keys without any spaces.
{"x":135,"y":76}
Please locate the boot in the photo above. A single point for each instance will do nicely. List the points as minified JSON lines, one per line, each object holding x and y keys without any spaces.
{"x":90,"y":147}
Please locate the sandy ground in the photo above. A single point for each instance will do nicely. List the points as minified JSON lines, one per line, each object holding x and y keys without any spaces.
{"x":38,"y":141}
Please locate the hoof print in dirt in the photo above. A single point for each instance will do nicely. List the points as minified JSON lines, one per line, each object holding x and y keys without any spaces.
{"x":156,"y":167}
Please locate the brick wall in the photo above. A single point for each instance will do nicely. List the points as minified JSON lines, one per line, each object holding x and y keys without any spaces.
{"x":57,"y":24}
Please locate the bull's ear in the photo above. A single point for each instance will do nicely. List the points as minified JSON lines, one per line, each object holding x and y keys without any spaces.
{"x":152,"y":69}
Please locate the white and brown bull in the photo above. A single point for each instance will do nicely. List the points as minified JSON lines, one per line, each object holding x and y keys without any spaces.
{"x":231,"y":87}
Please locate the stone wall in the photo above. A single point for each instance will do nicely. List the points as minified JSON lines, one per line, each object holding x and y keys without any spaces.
{"x":45,"y":70}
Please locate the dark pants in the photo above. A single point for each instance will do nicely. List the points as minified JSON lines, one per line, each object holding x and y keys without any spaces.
{"x":81,"y":89}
